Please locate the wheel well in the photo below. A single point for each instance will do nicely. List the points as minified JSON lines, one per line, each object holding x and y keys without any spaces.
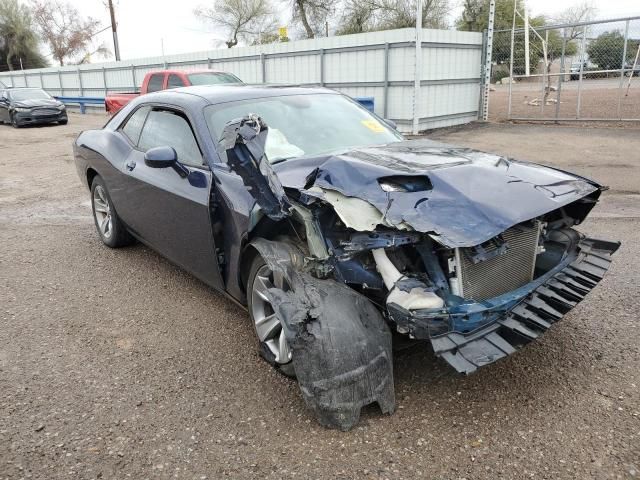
{"x":91,"y":174}
{"x":269,"y":230}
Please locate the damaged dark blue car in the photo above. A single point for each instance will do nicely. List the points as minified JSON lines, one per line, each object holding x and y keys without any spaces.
{"x":334,"y":231}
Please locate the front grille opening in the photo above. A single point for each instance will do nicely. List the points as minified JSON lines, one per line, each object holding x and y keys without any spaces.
{"x":510,"y":268}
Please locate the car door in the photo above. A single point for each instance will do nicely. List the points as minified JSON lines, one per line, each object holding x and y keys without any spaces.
{"x":168,"y":211}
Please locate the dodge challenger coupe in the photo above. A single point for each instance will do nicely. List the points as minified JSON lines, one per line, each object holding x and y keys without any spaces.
{"x":334,"y":231}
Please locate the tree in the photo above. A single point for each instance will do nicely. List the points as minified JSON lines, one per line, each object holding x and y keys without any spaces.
{"x":67,"y":33}
{"x":247,"y":20}
{"x":370,"y":15}
{"x":606,"y":51}
{"x":269,"y":37}
{"x":312,"y":14}
{"x":475,"y":15}
{"x":18,"y":40}
{"x":578,"y":13}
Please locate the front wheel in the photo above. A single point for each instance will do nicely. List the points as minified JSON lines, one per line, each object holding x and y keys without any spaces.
{"x":63,"y":122}
{"x":14,"y":121}
{"x":274,"y":347}
{"x":110,"y":228}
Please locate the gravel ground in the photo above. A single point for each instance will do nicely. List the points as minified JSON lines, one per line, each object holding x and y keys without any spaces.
{"x":599,"y":100}
{"x":116,"y":364}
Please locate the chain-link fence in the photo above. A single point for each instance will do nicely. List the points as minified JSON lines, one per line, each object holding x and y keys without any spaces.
{"x":585,"y":71}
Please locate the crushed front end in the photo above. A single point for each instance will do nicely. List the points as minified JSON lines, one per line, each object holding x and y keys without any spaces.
{"x":474,"y":252}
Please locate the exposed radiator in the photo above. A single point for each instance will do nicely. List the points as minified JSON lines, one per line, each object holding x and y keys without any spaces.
{"x":502,"y":273}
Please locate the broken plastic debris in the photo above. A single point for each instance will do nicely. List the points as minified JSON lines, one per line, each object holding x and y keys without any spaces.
{"x":416,"y":298}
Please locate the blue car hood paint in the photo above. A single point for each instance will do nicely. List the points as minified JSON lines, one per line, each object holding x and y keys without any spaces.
{"x":475,"y":195}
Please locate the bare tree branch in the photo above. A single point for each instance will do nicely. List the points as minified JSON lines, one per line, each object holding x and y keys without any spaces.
{"x":369,"y":15}
{"x":68,"y":34}
{"x":240,"y":19}
{"x":580,"y":12}
{"x":312,"y":14}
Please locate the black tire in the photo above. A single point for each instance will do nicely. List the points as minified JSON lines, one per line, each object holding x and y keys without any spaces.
{"x":118,"y":236}
{"x":63,"y":122}
{"x":14,"y":122}
{"x":284,"y":368}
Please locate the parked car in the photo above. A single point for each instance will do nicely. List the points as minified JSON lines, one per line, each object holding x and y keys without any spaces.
{"x":334,"y":231}
{"x":574,"y":70}
{"x":166,"y":79}
{"x":631,"y":69}
{"x":30,"y":106}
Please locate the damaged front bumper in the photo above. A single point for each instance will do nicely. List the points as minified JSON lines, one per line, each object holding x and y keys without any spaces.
{"x":510,"y":321}
{"x":471,"y":251}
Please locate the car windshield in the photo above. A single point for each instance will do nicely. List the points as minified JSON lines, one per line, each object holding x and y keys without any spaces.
{"x":305,"y":125}
{"x":28,"y":94}
{"x":207,"y":78}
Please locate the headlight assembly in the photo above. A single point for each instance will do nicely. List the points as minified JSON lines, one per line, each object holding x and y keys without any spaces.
{"x":22,"y":109}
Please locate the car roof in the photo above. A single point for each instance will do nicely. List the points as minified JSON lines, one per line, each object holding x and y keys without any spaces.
{"x":215,"y":94}
{"x":187,"y":71}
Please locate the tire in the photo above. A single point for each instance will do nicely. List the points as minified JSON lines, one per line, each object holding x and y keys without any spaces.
{"x":110,"y":228}
{"x":63,"y":122}
{"x":259,"y":309}
{"x":14,"y":122}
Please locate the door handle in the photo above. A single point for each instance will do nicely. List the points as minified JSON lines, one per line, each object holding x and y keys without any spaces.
{"x":130,"y":165}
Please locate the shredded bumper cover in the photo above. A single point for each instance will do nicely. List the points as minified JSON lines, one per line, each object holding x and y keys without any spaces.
{"x":522,"y":316}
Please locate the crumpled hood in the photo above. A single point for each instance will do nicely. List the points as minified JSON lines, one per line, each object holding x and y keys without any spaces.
{"x":39,"y":102}
{"x":471,"y":196}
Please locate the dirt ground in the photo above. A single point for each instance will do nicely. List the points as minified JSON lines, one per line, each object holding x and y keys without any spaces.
{"x":598,"y":100}
{"x":116,"y":364}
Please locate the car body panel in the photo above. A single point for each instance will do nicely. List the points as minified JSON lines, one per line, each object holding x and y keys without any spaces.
{"x":473,"y":196}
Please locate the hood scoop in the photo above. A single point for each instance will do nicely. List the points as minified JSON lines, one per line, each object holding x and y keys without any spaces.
{"x":404,"y":183}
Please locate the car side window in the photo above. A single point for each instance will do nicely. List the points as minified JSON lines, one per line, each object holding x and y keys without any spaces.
{"x":169,"y":128}
{"x":174,"y":81}
{"x":155,"y":82}
{"x":134,"y":123}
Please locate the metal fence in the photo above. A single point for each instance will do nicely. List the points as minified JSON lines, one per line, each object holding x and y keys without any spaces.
{"x":586,"y":71}
{"x":377,"y":64}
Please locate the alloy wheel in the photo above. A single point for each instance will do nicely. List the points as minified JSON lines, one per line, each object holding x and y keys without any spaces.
{"x":267,"y":325}
{"x":102,"y":212}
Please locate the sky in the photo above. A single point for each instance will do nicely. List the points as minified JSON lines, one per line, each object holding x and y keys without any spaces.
{"x":147,"y":27}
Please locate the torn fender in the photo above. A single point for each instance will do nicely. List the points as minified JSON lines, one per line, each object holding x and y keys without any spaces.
{"x":341,"y":344}
{"x":244,"y":140}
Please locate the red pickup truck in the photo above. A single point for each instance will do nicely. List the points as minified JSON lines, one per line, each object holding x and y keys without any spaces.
{"x":161,"y":80}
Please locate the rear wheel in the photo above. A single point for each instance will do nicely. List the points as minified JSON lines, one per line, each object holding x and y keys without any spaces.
{"x":110,"y":228}
{"x":274,"y":347}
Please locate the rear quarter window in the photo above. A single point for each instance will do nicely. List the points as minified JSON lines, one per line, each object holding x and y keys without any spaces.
{"x":155,"y":82}
{"x":133,"y":125}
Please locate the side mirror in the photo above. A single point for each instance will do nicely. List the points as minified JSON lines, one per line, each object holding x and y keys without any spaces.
{"x":160,"y":157}
{"x":163,"y":157}
{"x":391,"y":123}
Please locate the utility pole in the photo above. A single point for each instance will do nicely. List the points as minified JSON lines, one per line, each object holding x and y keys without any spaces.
{"x":114,"y":29}
{"x":418,"y":70}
